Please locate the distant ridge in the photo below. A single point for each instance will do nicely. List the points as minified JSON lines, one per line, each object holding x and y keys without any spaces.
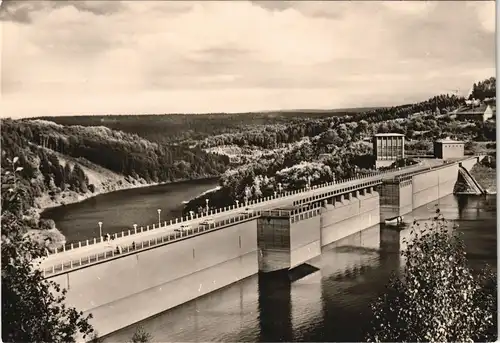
{"x":269,"y":112}
{"x":335,"y":110}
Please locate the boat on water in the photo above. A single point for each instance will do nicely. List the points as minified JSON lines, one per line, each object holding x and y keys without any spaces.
{"x":394,"y":221}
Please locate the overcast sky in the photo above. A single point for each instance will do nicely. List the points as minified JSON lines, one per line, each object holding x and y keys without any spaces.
{"x":96,"y":57}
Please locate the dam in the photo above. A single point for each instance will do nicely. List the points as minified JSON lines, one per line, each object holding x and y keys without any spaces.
{"x":157,"y":268}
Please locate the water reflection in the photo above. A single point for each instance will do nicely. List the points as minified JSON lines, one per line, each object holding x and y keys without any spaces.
{"x":214,"y":317}
{"x":275,"y":308}
{"x":307,"y":309}
{"x":329,"y":304}
{"x":352,"y":268}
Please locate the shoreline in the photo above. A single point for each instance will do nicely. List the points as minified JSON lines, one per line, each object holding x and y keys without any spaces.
{"x":212,"y":190}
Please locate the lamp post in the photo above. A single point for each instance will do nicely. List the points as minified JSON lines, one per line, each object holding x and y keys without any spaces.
{"x":100,"y":229}
{"x":279,"y":187}
{"x":206,"y":202}
{"x":237,"y":203}
{"x":135,"y":228}
{"x":159,"y":218}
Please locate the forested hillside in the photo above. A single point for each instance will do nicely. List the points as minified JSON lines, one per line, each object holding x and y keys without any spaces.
{"x":284,"y":133}
{"x":54,"y":157}
{"x":267,"y":130}
{"x":186,"y":128}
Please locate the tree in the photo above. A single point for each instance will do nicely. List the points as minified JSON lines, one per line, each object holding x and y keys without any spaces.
{"x":33,"y":308}
{"x":299,"y":175}
{"x":362,"y":126}
{"x":436,"y":296}
{"x":79,"y":179}
{"x":141,"y":336}
{"x":484,"y":89}
{"x":47,"y":224}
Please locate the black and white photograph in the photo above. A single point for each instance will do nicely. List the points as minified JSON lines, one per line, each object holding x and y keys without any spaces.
{"x":248,"y":171}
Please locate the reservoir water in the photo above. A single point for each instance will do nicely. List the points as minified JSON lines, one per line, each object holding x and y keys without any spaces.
{"x":331,"y":304}
{"x":120,"y":210}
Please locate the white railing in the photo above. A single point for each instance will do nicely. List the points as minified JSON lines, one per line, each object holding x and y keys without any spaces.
{"x":165,"y":224}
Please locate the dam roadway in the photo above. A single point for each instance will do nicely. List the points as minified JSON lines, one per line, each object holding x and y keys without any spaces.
{"x":127,"y":238}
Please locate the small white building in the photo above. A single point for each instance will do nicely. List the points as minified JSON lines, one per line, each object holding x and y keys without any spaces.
{"x":448,"y":148}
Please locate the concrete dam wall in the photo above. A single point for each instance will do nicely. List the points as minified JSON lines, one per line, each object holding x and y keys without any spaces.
{"x":400,"y":196}
{"x":131,"y":288}
{"x":155,"y":280}
{"x":434,"y":184}
{"x":428,"y":187}
{"x":134,"y":286}
{"x":406,"y":196}
{"x":305,"y":237}
{"x":348,"y":215}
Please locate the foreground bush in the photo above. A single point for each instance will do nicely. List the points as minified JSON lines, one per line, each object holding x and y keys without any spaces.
{"x":31,"y":310}
{"x":436,"y":297}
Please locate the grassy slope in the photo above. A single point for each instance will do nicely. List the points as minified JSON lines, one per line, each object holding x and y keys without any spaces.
{"x":103,"y":179}
{"x":486,"y":177}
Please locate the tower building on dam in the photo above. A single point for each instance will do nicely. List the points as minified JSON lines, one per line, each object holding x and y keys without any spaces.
{"x":388,"y":148}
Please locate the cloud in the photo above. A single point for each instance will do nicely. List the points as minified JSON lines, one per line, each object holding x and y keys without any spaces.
{"x":133,"y":56}
{"x":485,"y":11}
{"x":22,"y":11}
